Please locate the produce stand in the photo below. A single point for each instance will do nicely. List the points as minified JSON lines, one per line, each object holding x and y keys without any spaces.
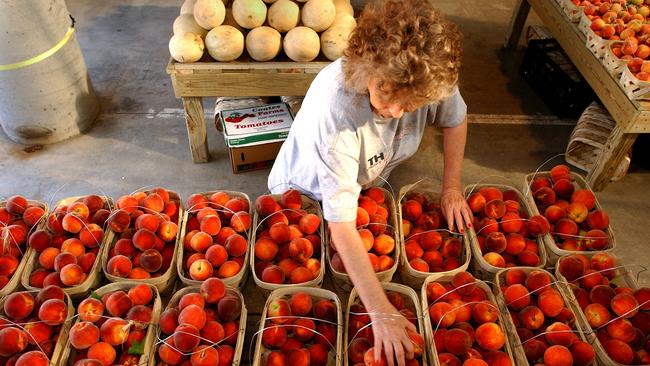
{"x":193,"y":81}
{"x":632,"y":117}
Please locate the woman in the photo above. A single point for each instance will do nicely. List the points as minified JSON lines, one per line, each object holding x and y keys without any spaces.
{"x":363,"y":115}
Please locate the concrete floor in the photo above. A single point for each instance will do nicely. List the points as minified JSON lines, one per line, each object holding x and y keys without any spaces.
{"x":140,"y":140}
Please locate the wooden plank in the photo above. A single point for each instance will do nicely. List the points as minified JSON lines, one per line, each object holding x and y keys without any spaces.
{"x":196,"y":132}
{"x":520,"y":14}
{"x":633,"y":117}
{"x":316,"y":66}
{"x":616,"y":148}
{"x":242,"y":84}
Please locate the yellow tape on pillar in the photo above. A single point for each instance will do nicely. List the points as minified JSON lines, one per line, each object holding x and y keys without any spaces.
{"x":42,"y":56}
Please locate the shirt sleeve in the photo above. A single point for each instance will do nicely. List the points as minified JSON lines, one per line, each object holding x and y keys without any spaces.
{"x":337,"y":177}
{"x":449,"y":112}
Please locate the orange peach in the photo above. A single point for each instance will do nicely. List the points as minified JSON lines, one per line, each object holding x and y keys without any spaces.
{"x":240,"y":221}
{"x":597,"y":315}
{"x":476,"y":202}
{"x":236,"y":245}
{"x":544,"y":196}
{"x":265,"y":205}
{"x":619,"y":351}
{"x":563,"y":188}
{"x":550,"y":302}
{"x":584,"y":196}
{"x":119,"y":266}
{"x":557,"y":356}
{"x":538,"y":225}
{"x":537,"y":281}
{"x":554,"y":213}
{"x":383,"y":244}
{"x":531,"y":317}
{"x":273,"y":274}
{"x":72,"y":275}
{"x":495,"y":209}
{"x":201,"y":269}
{"x":571,"y":267}
{"x":517,"y":296}
{"x":83,"y":335}
{"x":53,"y":312}
{"x":624,"y":305}
{"x":411,"y":210}
{"x":560,"y":334}
{"x":494,"y":259}
{"x":490,"y":336}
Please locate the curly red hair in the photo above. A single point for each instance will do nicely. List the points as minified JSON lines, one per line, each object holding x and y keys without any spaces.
{"x":409,"y":47}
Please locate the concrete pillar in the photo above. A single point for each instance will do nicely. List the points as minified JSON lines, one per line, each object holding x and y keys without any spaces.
{"x":50,"y":100}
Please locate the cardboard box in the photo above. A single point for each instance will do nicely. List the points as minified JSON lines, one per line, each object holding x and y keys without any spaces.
{"x":254,"y":135}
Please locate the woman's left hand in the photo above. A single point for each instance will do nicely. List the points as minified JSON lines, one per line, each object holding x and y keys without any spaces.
{"x":455,"y":208}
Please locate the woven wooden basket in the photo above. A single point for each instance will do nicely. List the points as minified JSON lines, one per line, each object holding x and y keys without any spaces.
{"x":408,"y":275}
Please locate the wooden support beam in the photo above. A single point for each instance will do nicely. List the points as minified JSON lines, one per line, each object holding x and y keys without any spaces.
{"x":196,"y":132}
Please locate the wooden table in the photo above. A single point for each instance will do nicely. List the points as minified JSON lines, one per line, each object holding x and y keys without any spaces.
{"x":194,"y":81}
{"x":631,"y":117}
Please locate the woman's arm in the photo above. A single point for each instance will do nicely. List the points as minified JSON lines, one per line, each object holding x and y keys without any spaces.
{"x":453,"y":204}
{"x":388,"y":325}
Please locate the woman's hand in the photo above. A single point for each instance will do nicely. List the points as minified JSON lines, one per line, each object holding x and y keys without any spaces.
{"x":389,"y":329}
{"x":455,"y":208}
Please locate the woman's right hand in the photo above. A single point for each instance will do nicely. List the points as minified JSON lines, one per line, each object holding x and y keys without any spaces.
{"x":389,"y":328}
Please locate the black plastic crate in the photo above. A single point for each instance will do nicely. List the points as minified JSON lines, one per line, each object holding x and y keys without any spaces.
{"x":552,"y":75}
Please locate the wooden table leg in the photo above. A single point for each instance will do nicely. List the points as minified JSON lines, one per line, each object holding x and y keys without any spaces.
{"x":616,"y":148}
{"x":519,"y":16}
{"x":196,"y":132}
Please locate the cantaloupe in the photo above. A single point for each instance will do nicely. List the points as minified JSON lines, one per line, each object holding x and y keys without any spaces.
{"x":263,"y":43}
{"x":334,"y":41}
{"x":188,"y":7}
{"x":209,"y":13}
{"x":301,"y":44}
{"x":230,"y":20}
{"x":225,"y":43}
{"x":185,"y":23}
{"x":270,"y":1}
{"x":318,"y":14}
{"x":249,"y":13}
{"x":284,"y":15}
{"x":343,"y":6}
{"x":186,"y":47}
{"x":344,"y":20}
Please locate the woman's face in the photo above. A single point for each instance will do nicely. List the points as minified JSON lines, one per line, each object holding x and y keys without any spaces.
{"x":385,"y":109}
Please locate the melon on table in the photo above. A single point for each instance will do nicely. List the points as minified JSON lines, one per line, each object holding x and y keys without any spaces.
{"x":230,"y":20}
{"x":270,"y":1}
{"x":343,"y":6}
{"x":185,"y":23}
{"x":225,"y":43}
{"x":344,"y":20}
{"x":334,"y":41}
{"x":318,"y":14}
{"x":188,"y":7}
{"x":301,"y":44}
{"x":263,"y":43}
{"x":209,"y":13}
{"x":249,"y":13}
{"x":284,"y":15}
{"x":186,"y":47}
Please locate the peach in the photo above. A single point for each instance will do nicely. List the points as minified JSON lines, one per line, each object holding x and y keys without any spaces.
{"x":167,"y":231}
{"x":213,"y":290}
{"x":550,"y":302}
{"x":90,"y":310}
{"x":240,"y":221}
{"x":49,"y":292}
{"x":515,"y":276}
{"x":539,"y":182}
{"x":563,"y":188}
{"x":280,"y":232}
{"x":598,"y":220}
{"x":169,"y":320}
{"x":201,"y":270}
{"x":363,"y":219}
{"x":560,"y":171}
{"x":531,"y":317}
{"x":490,"y":336}
{"x":193,"y":315}
{"x":496,"y":242}
{"x":370,"y":206}
{"x":377,"y":194}
{"x":451,"y":248}
{"x":325,"y":310}
{"x":273,"y":274}
{"x":19,"y":305}
{"x":204,"y":355}
{"x":597,"y":315}
{"x":191,"y":299}
{"x":210,"y":225}
{"x":442,"y":315}
{"x":511,"y":222}
{"x":619,"y":351}
{"x":411,"y":209}
{"x":229,"y":268}
{"x":47,"y":257}
{"x":154,"y":202}
{"x":538,"y":225}
{"x":300,"y":275}
{"x":186,"y":338}
{"x":583,"y":353}
{"x":216,"y":255}
{"x":168,"y":352}
{"x":624,"y":305}
{"x":309,"y":224}
{"x":274,"y":337}
{"x":487,"y":226}
{"x":265,"y":205}
{"x":596,"y":240}
{"x":602,"y":294}
{"x":119,"y":221}
{"x":383,"y":244}
{"x":39,"y":240}
{"x":301,"y":249}
{"x":32,"y":215}
{"x":83,"y":335}
{"x":495,"y":209}
{"x":554,"y":213}
{"x":571,"y":267}
{"x":119,"y":266}
{"x":144,"y":239}
{"x":72,"y":275}
{"x":584,"y":196}
{"x":73,"y":246}
{"x":591,"y":279}
{"x":300,"y":304}
{"x":642,"y":296}
{"x":544,"y":196}
{"x":151,"y":260}
{"x":602,"y":262}
{"x":494,"y":259}
{"x":517,"y":297}
{"x":291,"y":199}
{"x":560,"y":334}
{"x":118,"y":303}
{"x":236,"y":245}
{"x":370,"y":359}
{"x":476,"y":202}
{"x":16,"y":205}
{"x":457,"y":341}
{"x":229,"y":308}
{"x":140,"y":316}
{"x":557,"y":356}
{"x":430,"y":240}
{"x":537,"y":281}
{"x":147,"y":221}
{"x":515,"y":244}
{"x":33,"y":358}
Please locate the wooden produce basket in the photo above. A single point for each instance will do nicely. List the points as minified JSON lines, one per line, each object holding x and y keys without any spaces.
{"x":62,"y":339}
{"x":555,"y":252}
{"x":342,"y":281}
{"x":173,"y":302}
{"x":513,"y":337}
{"x":70,"y":353}
{"x":428,"y":327}
{"x":571,"y":10}
{"x":165,"y":282}
{"x":336,"y":351}
{"x":596,"y":44}
{"x":311,"y":206}
{"x":237,"y":280}
{"x":584,"y":24}
{"x":410,"y":276}
{"x":94,"y":276}
{"x":635,"y":89}
{"x":587,"y":141}
{"x":14,"y":282}
{"x":614,"y":64}
{"x":623,"y":277}
{"x":414,"y":306}
{"x":481,"y":268}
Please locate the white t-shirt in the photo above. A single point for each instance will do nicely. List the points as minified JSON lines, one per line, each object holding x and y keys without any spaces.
{"x":337,"y":145}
